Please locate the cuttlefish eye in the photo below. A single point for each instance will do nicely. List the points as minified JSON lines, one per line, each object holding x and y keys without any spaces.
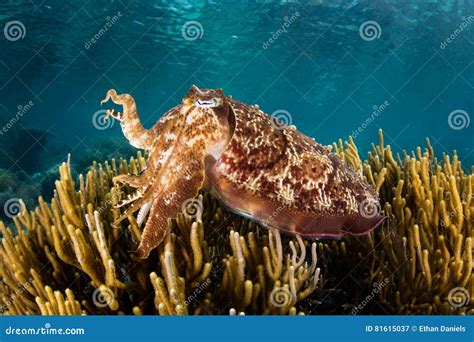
{"x":206,"y":103}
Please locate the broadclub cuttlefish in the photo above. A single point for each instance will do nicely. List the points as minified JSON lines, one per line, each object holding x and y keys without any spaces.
{"x":251,"y":162}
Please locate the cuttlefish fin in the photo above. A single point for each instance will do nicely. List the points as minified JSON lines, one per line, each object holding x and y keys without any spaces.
{"x":183,"y":182}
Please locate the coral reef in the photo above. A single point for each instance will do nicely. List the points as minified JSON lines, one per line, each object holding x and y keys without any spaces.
{"x":16,"y":182}
{"x":420,"y":262}
{"x":68,"y":257}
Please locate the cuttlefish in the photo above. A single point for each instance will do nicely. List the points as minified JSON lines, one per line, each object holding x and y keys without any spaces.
{"x":254,"y":164}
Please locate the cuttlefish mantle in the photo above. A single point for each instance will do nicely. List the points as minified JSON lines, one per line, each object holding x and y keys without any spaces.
{"x":254,"y":165}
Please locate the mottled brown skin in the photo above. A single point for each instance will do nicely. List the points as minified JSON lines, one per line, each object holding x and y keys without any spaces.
{"x":255,"y":166}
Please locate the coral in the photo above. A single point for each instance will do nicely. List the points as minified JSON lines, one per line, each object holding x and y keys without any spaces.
{"x":67,"y":257}
{"x":421,"y":261}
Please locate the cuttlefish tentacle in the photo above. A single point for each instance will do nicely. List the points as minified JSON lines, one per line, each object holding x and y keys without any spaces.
{"x":156,"y":159}
{"x":159,"y":156}
{"x":132,"y":180}
{"x":270,"y":172}
{"x":132,"y":128}
{"x":167,"y":203}
{"x":199,"y":131}
{"x":143,"y":212}
{"x":180,"y":178}
{"x":138,"y":180}
{"x":135,"y":206}
{"x":132,"y":197}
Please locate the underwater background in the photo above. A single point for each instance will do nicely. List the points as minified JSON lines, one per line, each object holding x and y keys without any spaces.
{"x":332,"y":68}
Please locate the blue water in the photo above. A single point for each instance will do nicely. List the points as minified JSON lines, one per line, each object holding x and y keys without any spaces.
{"x":307,"y":58}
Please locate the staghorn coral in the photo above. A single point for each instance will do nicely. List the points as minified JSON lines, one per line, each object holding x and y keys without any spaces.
{"x":421,"y":260}
{"x":66,"y":257}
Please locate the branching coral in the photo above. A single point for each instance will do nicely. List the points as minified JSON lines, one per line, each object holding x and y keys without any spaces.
{"x":423,"y":257}
{"x":230,"y":271}
{"x":67,"y":257}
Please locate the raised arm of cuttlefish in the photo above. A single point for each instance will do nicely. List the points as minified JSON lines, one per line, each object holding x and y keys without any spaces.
{"x":253,"y":164}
